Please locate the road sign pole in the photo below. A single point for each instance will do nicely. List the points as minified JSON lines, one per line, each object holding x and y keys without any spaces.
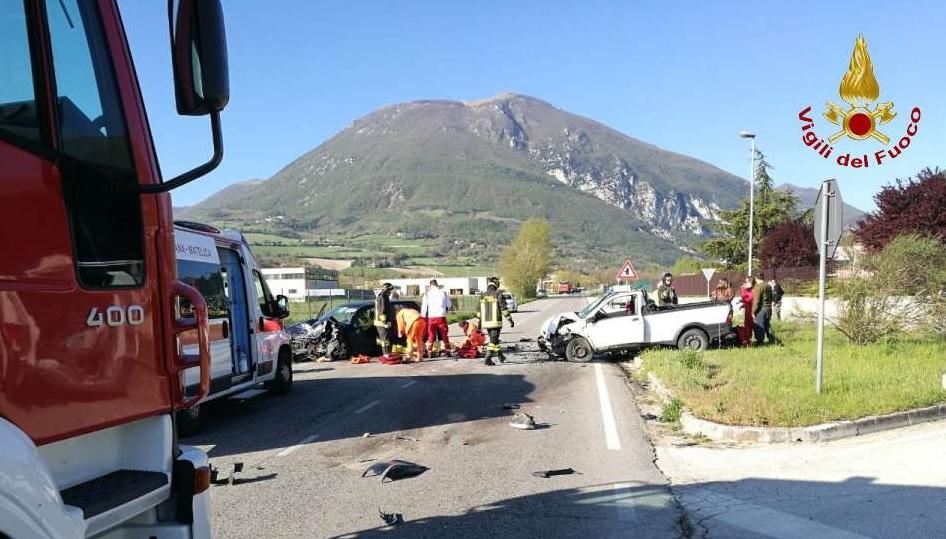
{"x":822,"y":270}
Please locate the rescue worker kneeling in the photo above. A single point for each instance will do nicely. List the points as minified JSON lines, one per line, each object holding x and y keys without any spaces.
{"x":492,"y":311}
{"x":410,"y":324}
{"x":470,"y":348}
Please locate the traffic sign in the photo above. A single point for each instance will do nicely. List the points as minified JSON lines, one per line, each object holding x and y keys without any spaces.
{"x":627,"y":273}
{"x":708,"y":273}
{"x":835,"y":216}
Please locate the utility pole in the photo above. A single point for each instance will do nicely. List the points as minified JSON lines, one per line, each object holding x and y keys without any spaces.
{"x":748,"y":135}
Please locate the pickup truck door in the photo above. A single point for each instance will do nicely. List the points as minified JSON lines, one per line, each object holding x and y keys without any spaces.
{"x":617,"y":323}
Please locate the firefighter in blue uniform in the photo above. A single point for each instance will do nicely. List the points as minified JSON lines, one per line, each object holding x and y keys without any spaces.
{"x":492,"y":311}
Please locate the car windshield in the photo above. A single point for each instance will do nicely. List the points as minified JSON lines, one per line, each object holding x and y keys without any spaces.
{"x":591,"y":307}
{"x":342,"y":313}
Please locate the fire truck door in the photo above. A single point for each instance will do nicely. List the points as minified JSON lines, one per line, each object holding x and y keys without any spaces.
{"x":240,"y":331}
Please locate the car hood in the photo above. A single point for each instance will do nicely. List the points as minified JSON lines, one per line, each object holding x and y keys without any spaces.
{"x":557,"y":323}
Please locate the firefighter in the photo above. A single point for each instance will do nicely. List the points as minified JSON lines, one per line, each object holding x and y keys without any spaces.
{"x":666,"y":293}
{"x":384,"y":317}
{"x":492,"y":311}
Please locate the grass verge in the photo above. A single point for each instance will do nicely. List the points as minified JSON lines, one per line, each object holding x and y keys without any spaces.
{"x":774,"y":385}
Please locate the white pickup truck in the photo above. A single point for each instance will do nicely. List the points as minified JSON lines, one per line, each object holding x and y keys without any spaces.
{"x":628,"y":321}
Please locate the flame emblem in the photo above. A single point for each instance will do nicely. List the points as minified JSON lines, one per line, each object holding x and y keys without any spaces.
{"x":859,"y":89}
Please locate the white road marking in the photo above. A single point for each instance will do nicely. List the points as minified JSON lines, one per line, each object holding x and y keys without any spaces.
{"x":408,"y":384}
{"x":289,"y":450}
{"x":607,"y":414}
{"x":763,"y":520}
{"x":367,"y":407}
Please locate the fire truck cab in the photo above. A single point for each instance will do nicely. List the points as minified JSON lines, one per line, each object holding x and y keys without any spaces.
{"x":91,"y":357}
{"x":248,"y":345}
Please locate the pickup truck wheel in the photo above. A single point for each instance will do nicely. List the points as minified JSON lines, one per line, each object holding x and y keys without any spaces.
{"x":282,"y":383}
{"x":693,"y":339}
{"x":579,"y":350}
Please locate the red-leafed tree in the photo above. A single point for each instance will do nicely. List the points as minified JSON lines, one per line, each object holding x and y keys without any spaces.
{"x":917,"y":205}
{"x":790,"y":244}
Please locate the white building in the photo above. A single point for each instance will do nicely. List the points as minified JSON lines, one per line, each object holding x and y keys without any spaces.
{"x":455,"y":286}
{"x":299,"y":283}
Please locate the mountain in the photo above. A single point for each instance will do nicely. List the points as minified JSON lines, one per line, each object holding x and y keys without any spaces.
{"x":807,"y":196}
{"x":473,"y":170}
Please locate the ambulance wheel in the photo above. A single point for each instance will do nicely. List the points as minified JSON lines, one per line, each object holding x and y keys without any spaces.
{"x":189,"y":420}
{"x":282,"y":383}
{"x":578,"y":350}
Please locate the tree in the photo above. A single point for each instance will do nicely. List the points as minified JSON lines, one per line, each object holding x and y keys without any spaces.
{"x":772,"y":207}
{"x":900,"y":288}
{"x":915,"y":205}
{"x":687,"y":264}
{"x":790,"y":244}
{"x":526,"y":261}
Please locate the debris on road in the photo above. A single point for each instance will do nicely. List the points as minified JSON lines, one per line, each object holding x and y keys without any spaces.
{"x":525,"y":339}
{"x":229,"y":480}
{"x":366,"y":435}
{"x":404,"y":438}
{"x":391,"y":519}
{"x":545,"y":474}
{"x":394,"y":470}
{"x":522,"y":421}
{"x":511,"y":406}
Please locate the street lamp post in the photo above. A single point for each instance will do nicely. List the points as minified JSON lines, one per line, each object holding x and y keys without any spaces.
{"x":751,"y":136}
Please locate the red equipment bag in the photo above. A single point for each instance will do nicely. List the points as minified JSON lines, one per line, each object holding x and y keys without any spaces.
{"x":390,"y":359}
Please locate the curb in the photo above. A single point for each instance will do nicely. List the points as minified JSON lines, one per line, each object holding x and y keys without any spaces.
{"x":824,"y":432}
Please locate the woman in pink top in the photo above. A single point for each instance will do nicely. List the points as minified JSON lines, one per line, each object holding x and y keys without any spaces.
{"x":745,"y":292}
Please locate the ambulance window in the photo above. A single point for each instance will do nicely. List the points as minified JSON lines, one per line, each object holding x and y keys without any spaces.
{"x":208,"y":280}
{"x":263,"y":295}
{"x":98,"y":177}
{"x":19,"y":120}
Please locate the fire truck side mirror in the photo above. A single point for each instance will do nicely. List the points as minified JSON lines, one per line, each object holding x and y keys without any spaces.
{"x":201,"y":75}
{"x":199,"y":56}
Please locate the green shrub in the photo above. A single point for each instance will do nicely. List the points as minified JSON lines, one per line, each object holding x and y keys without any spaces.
{"x":672,"y":411}
{"x":691,"y":359}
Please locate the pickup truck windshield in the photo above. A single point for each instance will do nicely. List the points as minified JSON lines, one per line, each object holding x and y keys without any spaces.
{"x":592,"y":307}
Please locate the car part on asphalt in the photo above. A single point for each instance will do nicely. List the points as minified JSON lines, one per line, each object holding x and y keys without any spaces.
{"x":545,"y":474}
{"x":360,"y":359}
{"x":522,"y":421}
{"x":394,"y":469}
{"x":511,"y":406}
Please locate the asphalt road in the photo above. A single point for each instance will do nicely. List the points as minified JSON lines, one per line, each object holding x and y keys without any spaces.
{"x":304,"y":453}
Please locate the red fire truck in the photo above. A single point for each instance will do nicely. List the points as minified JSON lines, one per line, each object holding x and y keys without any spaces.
{"x":90,"y":328}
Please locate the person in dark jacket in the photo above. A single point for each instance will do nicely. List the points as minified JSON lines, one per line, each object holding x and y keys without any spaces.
{"x":492,"y":311}
{"x":384,"y":317}
{"x":666,"y":293}
{"x":762,"y":310}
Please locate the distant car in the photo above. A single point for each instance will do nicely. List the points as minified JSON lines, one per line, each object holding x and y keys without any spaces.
{"x":358,"y":334}
{"x":511,"y":303}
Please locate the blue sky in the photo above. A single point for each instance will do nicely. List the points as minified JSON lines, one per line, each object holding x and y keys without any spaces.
{"x":686,"y":77}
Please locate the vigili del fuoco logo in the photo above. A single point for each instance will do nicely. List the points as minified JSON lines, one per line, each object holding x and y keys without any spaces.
{"x":862,"y":120}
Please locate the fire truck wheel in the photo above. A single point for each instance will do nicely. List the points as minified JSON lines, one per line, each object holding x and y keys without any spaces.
{"x":189,"y":420}
{"x":282,"y":383}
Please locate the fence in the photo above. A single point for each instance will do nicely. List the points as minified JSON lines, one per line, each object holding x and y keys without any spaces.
{"x":695,"y":284}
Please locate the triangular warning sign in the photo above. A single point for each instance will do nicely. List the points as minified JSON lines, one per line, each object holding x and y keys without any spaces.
{"x":627,"y":273}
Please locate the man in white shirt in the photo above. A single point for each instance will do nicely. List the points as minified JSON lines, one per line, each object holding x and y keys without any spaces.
{"x":434,"y":309}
